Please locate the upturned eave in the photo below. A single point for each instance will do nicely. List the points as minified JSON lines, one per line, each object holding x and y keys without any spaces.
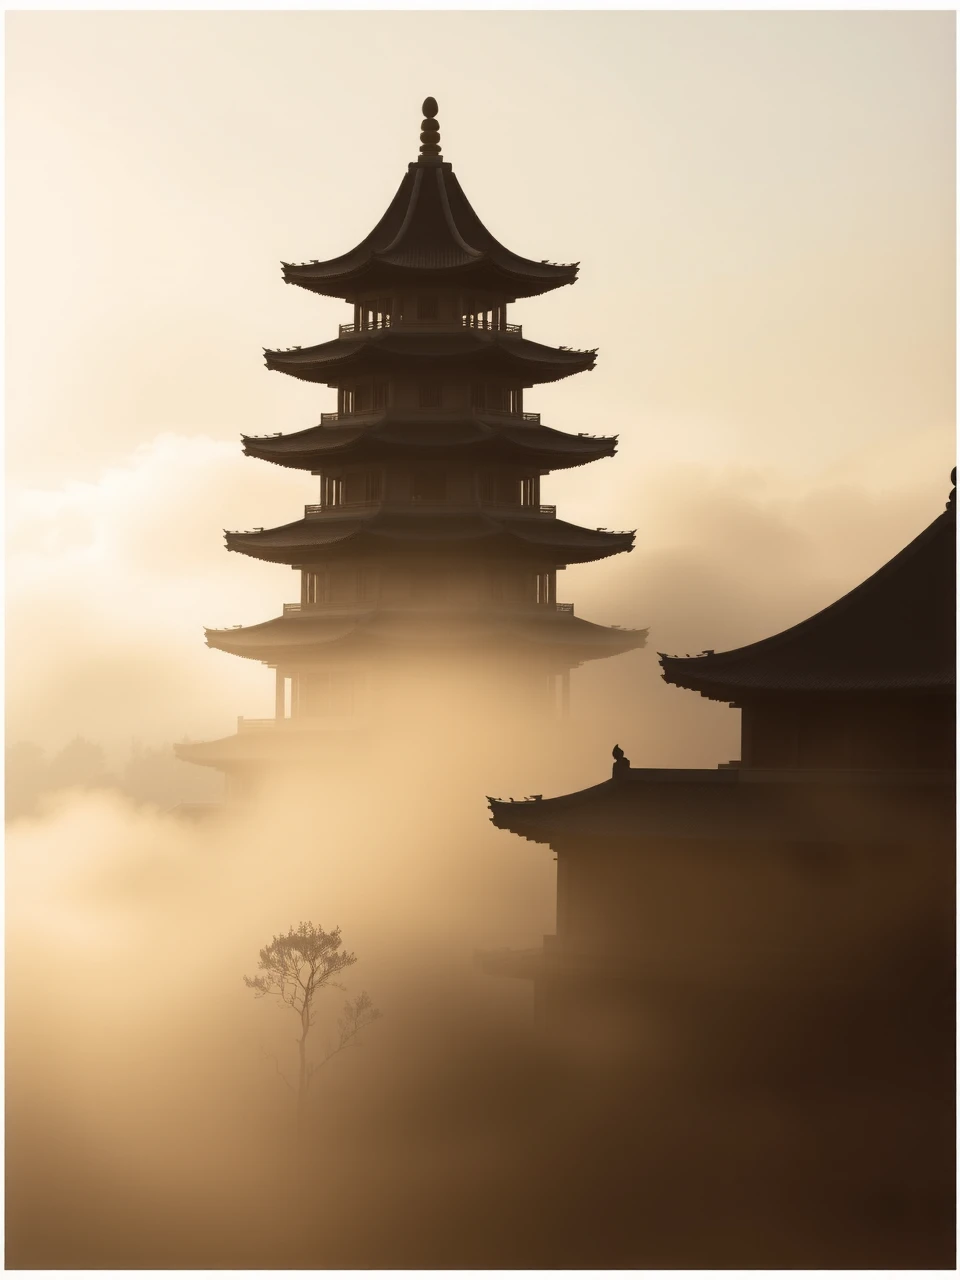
{"x":473,"y":351}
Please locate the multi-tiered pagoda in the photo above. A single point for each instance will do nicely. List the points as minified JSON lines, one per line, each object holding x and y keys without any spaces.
{"x":430,"y":541}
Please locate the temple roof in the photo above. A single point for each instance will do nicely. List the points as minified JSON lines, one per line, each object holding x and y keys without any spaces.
{"x":268,"y":741}
{"x":895,"y":632}
{"x":382,"y":530}
{"x":367,"y":352}
{"x":301,"y":636}
{"x":740,"y":807}
{"x":430,"y":233}
{"x":391,"y":435}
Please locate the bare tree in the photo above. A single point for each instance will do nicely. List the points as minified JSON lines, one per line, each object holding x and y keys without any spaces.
{"x":296,"y":965}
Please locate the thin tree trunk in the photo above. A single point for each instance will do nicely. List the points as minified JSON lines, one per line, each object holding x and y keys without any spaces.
{"x":303,"y":1082}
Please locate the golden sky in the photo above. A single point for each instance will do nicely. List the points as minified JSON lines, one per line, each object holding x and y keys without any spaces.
{"x":763,"y":208}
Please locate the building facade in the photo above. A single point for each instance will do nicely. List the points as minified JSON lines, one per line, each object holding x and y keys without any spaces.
{"x":429,"y":549}
{"x":796,"y":906}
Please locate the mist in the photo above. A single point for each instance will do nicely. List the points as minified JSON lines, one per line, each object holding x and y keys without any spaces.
{"x":768,"y":272}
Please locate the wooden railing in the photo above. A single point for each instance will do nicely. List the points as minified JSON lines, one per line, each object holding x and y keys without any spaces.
{"x":434,"y":326}
{"x":327,"y":419}
{"x":547,"y":510}
{"x":320,"y":605}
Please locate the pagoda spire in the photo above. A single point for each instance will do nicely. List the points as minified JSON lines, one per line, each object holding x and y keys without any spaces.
{"x":430,"y":129}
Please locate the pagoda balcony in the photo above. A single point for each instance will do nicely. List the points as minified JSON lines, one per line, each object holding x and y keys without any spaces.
{"x":427,"y":326}
{"x":362,"y":415}
{"x":324,"y":606}
{"x":429,"y":505}
{"x":291,"y":724}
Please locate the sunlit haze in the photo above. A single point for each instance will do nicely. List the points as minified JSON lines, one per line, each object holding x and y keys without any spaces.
{"x":763,"y":209}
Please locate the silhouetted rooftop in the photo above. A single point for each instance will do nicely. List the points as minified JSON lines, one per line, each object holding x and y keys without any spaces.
{"x":358,"y":631}
{"x":477,"y":351}
{"x":739,"y":806}
{"x":894,"y":632}
{"x":394,"y":435}
{"x":383,"y":530}
{"x":431,"y":231}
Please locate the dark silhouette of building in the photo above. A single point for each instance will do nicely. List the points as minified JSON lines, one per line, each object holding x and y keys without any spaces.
{"x":787,"y":919}
{"x":430,"y":537}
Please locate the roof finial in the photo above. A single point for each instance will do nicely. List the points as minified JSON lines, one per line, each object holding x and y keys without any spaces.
{"x":952,"y":499}
{"x":429,"y":129}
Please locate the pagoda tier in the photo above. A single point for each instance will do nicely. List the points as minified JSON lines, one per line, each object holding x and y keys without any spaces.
{"x":363,"y":353}
{"x":894,"y":633}
{"x":304,"y":634}
{"x":397,"y":436}
{"x":430,"y":233}
{"x":382,"y":532}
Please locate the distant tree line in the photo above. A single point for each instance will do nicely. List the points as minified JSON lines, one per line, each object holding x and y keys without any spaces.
{"x":148,"y":775}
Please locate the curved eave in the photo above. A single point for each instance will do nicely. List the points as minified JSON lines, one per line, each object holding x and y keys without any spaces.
{"x":282,"y":745}
{"x":302,"y":637}
{"x":753,"y":808}
{"x":309,"y":541}
{"x":893,"y":633}
{"x":386,"y":440}
{"x":377,"y":272}
{"x":530,"y":363}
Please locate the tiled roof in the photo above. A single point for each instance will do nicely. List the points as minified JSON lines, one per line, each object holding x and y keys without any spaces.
{"x":894,"y":632}
{"x":382,"y":530}
{"x":487,"y":351}
{"x":355,"y":629}
{"x":392,"y":435}
{"x":429,"y":226}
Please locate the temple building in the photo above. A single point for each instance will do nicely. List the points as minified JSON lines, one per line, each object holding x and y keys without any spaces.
{"x":429,"y":541}
{"x":798,"y":902}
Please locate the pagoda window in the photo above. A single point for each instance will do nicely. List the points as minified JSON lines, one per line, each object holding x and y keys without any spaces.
{"x":373,"y":486}
{"x":346,"y":400}
{"x":429,"y":486}
{"x":498,"y":398}
{"x":375,"y":313}
{"x":530,"y":492}
{"x":547,"y":587}
{"x":331,"y":491}
{"x":477,"y":314}
{"x":370,"y":396}
{"x":500,"y":490}
{"x":326,"y":693}
{"x":430,"y":395}
{"x":315,"y":587}
{"x":427,"y":307}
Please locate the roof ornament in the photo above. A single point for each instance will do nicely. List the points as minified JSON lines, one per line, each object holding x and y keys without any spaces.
{"x":621,"y":764}
{"x":429,"y":129}
{"x":952,"y":499}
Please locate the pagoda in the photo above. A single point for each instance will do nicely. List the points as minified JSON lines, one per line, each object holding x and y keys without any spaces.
{"x":429,"y":542}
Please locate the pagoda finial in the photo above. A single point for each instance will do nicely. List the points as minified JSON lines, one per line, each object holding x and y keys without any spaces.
{"x":429,"y":129}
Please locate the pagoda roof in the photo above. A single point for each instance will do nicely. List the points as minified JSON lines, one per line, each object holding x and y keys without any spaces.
{"x":395,"y":435}
{"x":740,"y":807}
{"x":430,"y":232}
{"x":357,"y":631}
{"x":260,"y":742}
{"x":895,"y":632}
{"x":367,"y":352}
{"x":382,"y":530}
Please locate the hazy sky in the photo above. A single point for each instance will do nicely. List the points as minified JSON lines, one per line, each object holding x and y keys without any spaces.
{"x":763,"y":208}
